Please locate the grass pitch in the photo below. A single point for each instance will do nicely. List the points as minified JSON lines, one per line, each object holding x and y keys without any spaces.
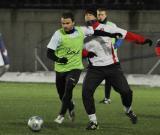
{"x":20,"y":101}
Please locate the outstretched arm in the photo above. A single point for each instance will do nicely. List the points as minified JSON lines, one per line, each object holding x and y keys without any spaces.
{"x":129,"y":36}
{"x":51,"y":55}
{"x":90,"y":31}
{"x":132,"y":37}
{"x":103,"y":33}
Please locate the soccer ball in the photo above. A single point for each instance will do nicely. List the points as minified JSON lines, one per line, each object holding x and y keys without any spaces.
{"x":35,"y":123}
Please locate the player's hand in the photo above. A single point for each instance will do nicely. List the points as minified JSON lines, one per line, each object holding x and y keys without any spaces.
{"x":149,"y":42}
{"x":62,"y":60}
{"x":117,"y":35}
{"x":91,"y":54}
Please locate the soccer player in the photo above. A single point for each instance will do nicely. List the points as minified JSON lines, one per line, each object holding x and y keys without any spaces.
{"x":106,"y":66}
{"x":4,"y":61}
{"x":102,"y":17}
{"x":65,"y":48}
{"x":1,"y":65}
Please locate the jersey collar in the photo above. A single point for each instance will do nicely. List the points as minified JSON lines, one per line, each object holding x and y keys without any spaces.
{"x":71,"y":31}
{"x":95,"y":24}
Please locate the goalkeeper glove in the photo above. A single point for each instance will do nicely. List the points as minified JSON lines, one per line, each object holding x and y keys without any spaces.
{"x":148,"y":41}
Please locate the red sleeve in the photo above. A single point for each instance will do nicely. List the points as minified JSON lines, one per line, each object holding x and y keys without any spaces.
{"x":84,"y":53}
{"x":132,"y":37}
{"x":157,"y":50}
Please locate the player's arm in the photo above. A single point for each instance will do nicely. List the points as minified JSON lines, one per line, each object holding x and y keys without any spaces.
{"x":89,"y":54}
{"x":138,"y":39}
{"x":51,"y":55}
{"x":52,"y":46}
{"x":103,"y":33}
{"x":90,"y":31}
{"x":118,"y":43}
{"x":130,"y":36}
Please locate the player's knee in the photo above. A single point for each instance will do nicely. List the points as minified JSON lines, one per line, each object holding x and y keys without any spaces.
{"x":71,"y":82}
{"x":127,"y":92}
{"x":60,"y":96}
{"x":66,"y":99}
{"x":87,"y":87}
{"x":86,"y":94}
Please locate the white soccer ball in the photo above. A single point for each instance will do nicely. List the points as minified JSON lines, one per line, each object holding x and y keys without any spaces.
{"x":35,"y":123}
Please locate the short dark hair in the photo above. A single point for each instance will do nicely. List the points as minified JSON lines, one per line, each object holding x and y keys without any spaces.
{"x":102,"y":9}
{"x":91,"y":11}
{"x":68,"y":15}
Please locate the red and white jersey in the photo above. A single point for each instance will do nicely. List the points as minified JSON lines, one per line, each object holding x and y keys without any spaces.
{"x":102,"y":46}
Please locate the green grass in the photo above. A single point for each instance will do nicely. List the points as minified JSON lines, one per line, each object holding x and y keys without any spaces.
{"x":19,"y":101}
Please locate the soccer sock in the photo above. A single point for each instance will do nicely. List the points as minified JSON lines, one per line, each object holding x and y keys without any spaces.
{"x":59,"y":116}
{"x":107,"y":98}
{"x":93,"y":118}
{"x":127,"y":109}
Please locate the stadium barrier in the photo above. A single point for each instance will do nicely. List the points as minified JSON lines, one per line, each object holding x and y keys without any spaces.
{"x":49,"y":77}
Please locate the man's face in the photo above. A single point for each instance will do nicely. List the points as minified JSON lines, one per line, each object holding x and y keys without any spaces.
{"x":67,"y":24}
{"x":89,"y":17}
{"x":101,"y":15}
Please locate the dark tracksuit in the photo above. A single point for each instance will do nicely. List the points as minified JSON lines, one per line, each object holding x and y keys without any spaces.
{"x":65,"y":82}
{"x":95,"y":75}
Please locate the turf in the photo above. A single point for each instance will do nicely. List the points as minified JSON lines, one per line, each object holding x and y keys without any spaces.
{"x":20,"y":101}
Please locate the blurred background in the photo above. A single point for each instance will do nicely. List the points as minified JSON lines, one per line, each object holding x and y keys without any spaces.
{"x":27,"y":26}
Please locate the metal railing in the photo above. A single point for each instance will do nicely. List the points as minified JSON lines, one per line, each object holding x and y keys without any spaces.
{"x":38,"y":60}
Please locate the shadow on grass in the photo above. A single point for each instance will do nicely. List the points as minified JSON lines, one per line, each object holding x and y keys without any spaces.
{"x":149,"y":116}
{"x":51,"y":125}
{"x":78,"y":128}
{"x":19,"y":124}
{"x":113,"y":128}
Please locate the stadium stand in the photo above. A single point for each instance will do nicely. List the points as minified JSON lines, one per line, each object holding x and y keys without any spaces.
{"x":81,"y":4}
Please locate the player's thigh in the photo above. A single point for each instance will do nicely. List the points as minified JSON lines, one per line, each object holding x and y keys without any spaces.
{"x":73,"y":76}
{"x":60,"y":82}
{"x":92,"y":80}
{"x":119,"y":81}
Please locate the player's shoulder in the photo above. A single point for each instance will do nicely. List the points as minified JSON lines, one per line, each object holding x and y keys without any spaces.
{"x":111,"y":24}
{"x":59,"y":32}
{"x":101,"y":26}
{"x":87,"y":29}
{"x":84,"y":27}
{"x":80,"y":27}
